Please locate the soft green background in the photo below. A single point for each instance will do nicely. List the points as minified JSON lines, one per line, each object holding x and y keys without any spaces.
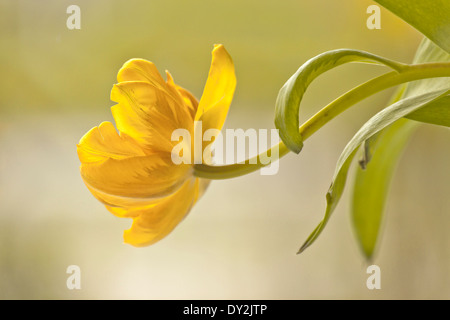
{"x":239,"y":241}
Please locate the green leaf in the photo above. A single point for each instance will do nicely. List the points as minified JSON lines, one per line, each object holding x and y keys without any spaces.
{"x":371,"y":183}
{"x":437,"y":113}
{"x":372,"y":180}
{"x":431,"y":17}
{"x":380,"y":121}
{"x":333,"y":196}
{"x":288,"y":101}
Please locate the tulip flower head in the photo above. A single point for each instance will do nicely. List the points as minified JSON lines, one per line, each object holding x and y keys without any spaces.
{"x":130,"y":170}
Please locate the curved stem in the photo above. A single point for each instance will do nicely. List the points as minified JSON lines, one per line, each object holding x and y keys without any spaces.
{"x":329,"y":112}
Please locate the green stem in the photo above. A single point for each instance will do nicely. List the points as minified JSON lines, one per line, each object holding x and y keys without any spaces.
{"x":329,"y":112}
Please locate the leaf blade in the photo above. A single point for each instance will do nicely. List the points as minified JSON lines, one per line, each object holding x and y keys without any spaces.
{"x":377,"y":123}
{"x":438,"y":114}
{"x":371,"y":184}
{"x":431,"y":17}
{"x":288,"y":101}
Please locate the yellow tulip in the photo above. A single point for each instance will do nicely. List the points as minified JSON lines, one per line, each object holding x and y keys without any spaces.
{"x":131,"y":172}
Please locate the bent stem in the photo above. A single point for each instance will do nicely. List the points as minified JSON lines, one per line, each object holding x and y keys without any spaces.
{"x":329,"y":112}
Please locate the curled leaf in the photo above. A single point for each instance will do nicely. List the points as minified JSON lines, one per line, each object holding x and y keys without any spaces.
{"x":288,"y":101}
{"x":371,"y":183}
{"x":378,"y":122}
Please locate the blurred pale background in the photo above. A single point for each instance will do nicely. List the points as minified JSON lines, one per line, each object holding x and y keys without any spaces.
{"x":240,"y":240}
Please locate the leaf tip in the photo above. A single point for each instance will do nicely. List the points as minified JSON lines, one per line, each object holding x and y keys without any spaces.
{"x":368,"y":254}
{"x":293,"y":140}
{"x":303,"y":247}
{"x":296,"y":148}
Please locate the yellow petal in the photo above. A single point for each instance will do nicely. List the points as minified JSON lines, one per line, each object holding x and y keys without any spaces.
{"x":126,"y":212}
{"x":157,"y":221}
{"x":120,"y":205}
{"x":189,"y":100}
{"x":115,"y":168}
{"x":103,"y":142}
{"x":132,"y":209}
{"x":141,"y":70}
{"x":219,"y":89}
{"x":149,"y":115}
{"x":119,"y":173}
{"x":147,"y":177}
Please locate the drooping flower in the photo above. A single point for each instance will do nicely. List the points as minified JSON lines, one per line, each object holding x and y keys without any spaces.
{"x":131,"y":171}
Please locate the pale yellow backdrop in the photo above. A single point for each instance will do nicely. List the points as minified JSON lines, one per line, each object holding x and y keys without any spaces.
{"x":240,"y":240}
